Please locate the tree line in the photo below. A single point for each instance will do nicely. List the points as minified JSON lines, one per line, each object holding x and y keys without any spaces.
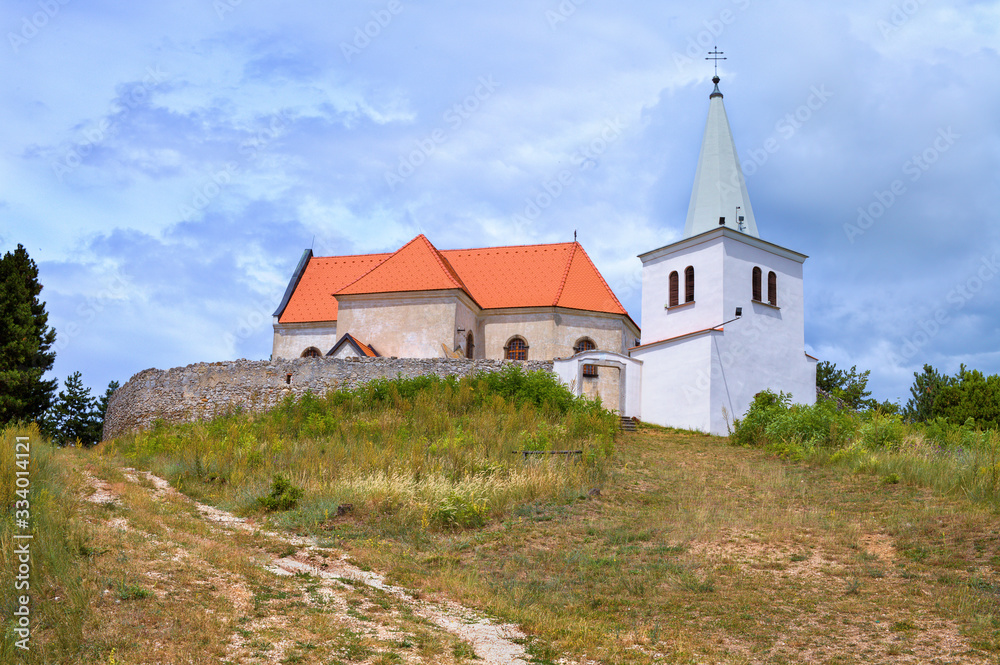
{"x":71,"y":416}
{"x":967,"y":394}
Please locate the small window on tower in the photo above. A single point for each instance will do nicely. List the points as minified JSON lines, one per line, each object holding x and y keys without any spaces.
{"x":311,"y":352}
{"x":674,"y":289}
{"x":689,"y":284}
{"x":756,"y":283}
{"x":772,"y":288}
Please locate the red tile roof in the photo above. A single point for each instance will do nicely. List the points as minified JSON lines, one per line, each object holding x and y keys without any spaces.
{"x":416,"y":266}
{"x":313,"y":298}
{"x":555,"y":275}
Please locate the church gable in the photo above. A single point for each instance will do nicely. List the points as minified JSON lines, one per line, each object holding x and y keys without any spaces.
{"x":417,"y":266}
{"x":351,"y":347}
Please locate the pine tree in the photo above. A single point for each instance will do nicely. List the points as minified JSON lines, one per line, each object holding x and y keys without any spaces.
{"x":102,"y":406}
{"x":25,"y":341}
{"x":75,"y":416}
{"x":849,"y":386}
{"x":927,"y":386}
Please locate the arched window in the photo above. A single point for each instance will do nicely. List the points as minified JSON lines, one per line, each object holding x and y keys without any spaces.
{"x":469,"y":346}
{"x":689,"y":284}
{"x":674,"y":289}
{"x":516,"y":349}
{"x":772,"y":288}
{"x":756,"y":283}
{"x":312,"y":352}
{"x":586,"y":344}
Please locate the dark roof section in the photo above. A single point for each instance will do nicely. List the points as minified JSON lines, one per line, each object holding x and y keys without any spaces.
{"x":294,"y":282}
{"x":364,"y":350}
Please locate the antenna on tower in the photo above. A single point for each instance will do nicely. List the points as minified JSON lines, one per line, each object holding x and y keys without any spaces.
{"x":574,"y":235}
{"x":714,"y":55}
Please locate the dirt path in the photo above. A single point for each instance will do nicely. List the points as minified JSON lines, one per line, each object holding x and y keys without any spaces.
{"x":493,"y":643}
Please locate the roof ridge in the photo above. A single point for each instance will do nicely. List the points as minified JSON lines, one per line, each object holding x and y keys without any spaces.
{"x":603,"y":281}
{"x":365,"y":274}
{"x":445,"y":265}
{"x":562,"y":282}
{"x":481,"y":249}
{"x":351,"y":256}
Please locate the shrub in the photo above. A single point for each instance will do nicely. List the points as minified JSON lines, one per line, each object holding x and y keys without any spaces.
{"x":284,"y":495}
{"x":751,"y":429}
{"x":882,"y":431}
{"x":818,"y":424}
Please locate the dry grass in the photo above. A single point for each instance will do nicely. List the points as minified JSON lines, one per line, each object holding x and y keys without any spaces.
{"x":699,"y":552}
{"x":179,"y":584}
{"x":693,"y":551}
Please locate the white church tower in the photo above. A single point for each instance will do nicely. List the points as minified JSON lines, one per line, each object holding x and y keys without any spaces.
{"x":722,"y":309}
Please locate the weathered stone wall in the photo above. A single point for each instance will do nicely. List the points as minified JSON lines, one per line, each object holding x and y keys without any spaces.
{"x":205,"y":390}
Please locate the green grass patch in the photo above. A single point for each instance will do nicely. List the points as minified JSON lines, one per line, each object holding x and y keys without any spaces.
{"x":438,"y":453}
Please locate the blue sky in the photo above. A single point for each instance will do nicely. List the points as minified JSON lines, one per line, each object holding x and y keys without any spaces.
{"x":167,"y":163}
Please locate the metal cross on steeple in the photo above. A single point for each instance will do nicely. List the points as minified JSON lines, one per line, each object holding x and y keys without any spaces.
{"x":714,"y":55}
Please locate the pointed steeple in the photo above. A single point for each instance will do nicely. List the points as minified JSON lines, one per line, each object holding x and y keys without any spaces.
{"x":719,"y":188}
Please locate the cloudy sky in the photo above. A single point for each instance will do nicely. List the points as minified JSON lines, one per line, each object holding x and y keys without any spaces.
{"x":167,"y":163}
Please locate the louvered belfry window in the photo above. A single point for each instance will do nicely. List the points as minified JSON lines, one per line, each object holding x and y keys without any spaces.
{"x":689,"y":284}
{"x":674,"y":289}
{"x":756,"y":284}
{"x":772,"y":288}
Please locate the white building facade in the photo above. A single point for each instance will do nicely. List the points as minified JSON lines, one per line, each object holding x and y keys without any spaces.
{"x":722,"y":309}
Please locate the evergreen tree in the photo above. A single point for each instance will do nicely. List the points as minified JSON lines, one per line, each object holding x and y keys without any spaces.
{"x":969,"y":394}
{"x":75,"y":416}
{"x":925,"y":389}
{"x":102,"y":406}
{"x":848,"y":386}
{"x":25,"y":341}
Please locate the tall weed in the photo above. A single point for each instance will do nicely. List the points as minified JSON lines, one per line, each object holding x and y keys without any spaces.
{"x":440,"y":451}
{"x":58,"y":595}
{"x":951,"y":458}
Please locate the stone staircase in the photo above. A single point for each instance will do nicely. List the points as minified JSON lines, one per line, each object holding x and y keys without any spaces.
{"x":627,"y":424}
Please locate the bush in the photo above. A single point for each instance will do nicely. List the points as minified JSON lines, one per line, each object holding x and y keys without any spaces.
{"x":882,"y":431}
{"x":751,"y":429}
{"x":820,"y":424}
{"x":284,"y":495}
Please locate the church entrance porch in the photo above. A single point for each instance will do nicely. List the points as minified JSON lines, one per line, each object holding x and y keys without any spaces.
{"x":617,"y":379}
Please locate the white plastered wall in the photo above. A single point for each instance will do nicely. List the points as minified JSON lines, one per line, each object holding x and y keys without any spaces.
{"x":627,"y":371}
{"x":688,"y":381}
{"x":412,"y":326}
{"x":552,"y":334}
{"x":291,"y":339}
{"x":676,"y":382}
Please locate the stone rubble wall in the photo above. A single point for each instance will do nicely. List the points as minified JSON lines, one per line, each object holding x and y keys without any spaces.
{"x":206,"y":390}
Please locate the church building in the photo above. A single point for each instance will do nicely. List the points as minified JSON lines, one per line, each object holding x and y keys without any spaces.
{"x":528,"y":302}
{"x":722,"y":309}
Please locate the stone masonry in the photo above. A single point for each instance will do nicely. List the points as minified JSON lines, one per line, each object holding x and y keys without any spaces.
{"x":205,"y":390}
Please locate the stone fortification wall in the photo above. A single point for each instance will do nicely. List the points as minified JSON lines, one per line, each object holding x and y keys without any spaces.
{"x":205,"y":390}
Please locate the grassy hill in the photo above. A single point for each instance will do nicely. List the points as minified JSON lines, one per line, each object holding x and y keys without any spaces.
{"x":654,"y":547}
